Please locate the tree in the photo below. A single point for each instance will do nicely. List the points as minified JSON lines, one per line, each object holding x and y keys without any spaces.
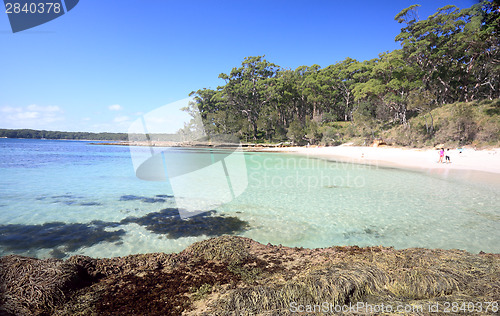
{"x":423,"y":101}
{"x":456,"y":50}
{"x":296,"y":132}
{"x":390,"y":82}
{"x":246,"y":88}
{"x":342,"y":80}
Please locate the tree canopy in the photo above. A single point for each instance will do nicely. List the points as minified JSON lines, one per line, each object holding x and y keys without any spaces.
{"x":451,"y":56}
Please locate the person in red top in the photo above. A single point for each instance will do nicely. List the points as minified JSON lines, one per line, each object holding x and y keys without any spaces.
{"x":441,"y":155}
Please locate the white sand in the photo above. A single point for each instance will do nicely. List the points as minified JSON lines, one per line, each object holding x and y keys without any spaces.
{"x":420,"y":159}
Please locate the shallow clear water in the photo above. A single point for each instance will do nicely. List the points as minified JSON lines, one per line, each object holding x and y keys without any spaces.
{"x":59,"y":198}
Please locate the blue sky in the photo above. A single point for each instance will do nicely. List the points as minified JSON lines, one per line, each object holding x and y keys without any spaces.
{"x":103,"y":64}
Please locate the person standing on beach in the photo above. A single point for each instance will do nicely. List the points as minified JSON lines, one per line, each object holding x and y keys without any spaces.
{"x":447,"y":156}
{"x":441,"y":155}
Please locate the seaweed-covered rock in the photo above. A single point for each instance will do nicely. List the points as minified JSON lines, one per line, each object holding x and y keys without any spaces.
{"x":231,"y":275}
{"x":31,"y":286}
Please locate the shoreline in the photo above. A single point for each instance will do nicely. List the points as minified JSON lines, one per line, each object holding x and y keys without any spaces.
{"x":481,"y":165}
{"x":420,"y":159}
{"x":486,"y":161}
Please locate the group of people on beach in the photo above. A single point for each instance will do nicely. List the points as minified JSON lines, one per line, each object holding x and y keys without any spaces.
{"x":442,"y":155}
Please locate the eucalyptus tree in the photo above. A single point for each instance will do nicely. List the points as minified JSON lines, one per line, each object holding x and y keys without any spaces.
{"x":246,"y":89}
{"x":342,"y":83}
{"x":390,"y":81}
{"x":285,"y":97}
{"x":456,"y":50}
{"x":306,"y":85}
{"x":482,"y":35}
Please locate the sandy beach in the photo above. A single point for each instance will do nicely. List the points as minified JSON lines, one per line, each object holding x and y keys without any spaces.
{"x":487,"y":161}
{"x":465,"y":159}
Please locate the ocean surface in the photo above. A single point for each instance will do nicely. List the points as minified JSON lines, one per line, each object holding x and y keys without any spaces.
{"x":61,"y":198}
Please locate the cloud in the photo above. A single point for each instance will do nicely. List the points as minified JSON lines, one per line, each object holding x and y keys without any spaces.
{"x":121,"y":119}
{"x":9,"y":109}
{"x":31,"y":116}
{"x":34,"y":107}
{"x":115,"y":107}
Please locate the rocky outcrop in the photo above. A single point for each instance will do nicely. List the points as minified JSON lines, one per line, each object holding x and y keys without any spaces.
{"x":238,"y":276}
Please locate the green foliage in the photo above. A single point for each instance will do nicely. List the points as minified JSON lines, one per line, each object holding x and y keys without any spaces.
{"x":334,"y":133}
{"x":296,"y":133}
{"x":455,"y":51}
{"x":43,"y":134}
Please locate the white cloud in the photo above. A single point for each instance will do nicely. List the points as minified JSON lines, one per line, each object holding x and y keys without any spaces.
{"x":9,"y":109}
{"x":32,"y":116}
{"x":50,"y":108}
{"x":24,"y":115}
{"x":115,"y":107}
{"x":121,"y":119}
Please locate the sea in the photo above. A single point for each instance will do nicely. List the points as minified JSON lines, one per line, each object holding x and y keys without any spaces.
{"x":60,"y":198}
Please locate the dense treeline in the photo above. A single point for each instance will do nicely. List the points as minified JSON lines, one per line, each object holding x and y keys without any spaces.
{"x":452,"y":56}
{"x":42,"y":134}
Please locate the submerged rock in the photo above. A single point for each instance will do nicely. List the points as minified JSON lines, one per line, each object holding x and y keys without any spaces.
{"x":160,"y":198}
{"x":68,"y":236}
{"x":231,"y":275}
{"x":169,"y":222}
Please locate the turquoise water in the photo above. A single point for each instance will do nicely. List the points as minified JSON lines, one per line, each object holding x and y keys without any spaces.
{"x":60,"y":198}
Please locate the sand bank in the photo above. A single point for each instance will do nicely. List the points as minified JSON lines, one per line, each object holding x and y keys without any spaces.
{"x":416,"y":159}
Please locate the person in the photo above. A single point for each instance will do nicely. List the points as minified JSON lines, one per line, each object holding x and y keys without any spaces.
{"x":441,"y":155}
{"x":447,"y":157}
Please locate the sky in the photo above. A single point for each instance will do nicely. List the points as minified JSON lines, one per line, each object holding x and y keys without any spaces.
{"x":106,"y":63}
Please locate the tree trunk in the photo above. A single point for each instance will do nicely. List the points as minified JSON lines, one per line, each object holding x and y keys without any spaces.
{"x":432,"y":123}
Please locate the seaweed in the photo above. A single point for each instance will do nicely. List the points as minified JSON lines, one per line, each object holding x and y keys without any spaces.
{"x":72,"y":236}
{"x":90,"y":204}
{"x":169,"y":222}
{"x":157,"y":199}
{"x":232,"y":275}
{"x":18,"y":237}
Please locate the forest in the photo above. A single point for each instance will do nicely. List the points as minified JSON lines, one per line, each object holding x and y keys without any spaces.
{"x":451,"y":60}
{"x":42,"y":134}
